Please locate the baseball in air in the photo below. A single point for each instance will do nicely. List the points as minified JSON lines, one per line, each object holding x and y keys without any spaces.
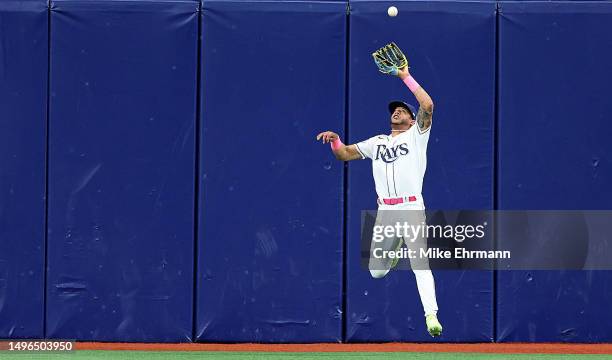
{"x":392,"y":11}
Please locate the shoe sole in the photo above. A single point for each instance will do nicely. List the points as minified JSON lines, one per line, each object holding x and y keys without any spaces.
{"x":435,"y":332}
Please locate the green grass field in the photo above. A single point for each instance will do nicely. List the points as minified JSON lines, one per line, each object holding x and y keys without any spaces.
{"x":188,"y":355}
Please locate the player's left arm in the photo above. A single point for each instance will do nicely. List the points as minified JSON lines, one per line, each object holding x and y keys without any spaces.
{"x":426,"y":106}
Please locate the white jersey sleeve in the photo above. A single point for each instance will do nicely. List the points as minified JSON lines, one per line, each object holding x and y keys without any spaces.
{"x":366,"y":148}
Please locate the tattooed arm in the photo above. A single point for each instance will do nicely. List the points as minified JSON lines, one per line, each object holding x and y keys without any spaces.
{"x":424,"y":116}
{"x":426,"y":105}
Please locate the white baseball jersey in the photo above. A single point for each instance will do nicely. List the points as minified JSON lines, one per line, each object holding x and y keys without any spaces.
{"x":398,"y":163}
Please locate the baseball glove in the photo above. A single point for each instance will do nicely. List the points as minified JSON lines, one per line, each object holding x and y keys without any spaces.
{"x":390,"y":59}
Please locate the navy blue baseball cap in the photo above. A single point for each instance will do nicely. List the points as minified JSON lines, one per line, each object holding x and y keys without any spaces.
{"x":395,"y":104}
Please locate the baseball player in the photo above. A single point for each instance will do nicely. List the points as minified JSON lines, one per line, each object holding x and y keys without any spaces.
{"x":399,"y":160}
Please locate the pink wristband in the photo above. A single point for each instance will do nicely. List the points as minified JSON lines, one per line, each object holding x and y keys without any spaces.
{"x":411,"y":83}
{"x":336,"y":144}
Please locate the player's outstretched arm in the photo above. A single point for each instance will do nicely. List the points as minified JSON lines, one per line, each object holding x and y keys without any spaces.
{"x":391,"y":60}
{"x":426,"y":105}
{"x":341,"y":151}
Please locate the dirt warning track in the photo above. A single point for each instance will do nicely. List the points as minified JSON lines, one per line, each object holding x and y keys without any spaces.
{"x":514,"y":348}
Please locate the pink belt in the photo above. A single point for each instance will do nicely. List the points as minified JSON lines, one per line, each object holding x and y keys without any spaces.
{"x":399,"y":200}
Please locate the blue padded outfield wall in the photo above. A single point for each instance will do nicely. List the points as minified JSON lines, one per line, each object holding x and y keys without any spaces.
{"x":270,"y":244}
{"x":160,"y":179}
{"x":121,"y":170}
{"x":23,"y":116}
{"x":443,"y":40}
{"x":554,"y":148}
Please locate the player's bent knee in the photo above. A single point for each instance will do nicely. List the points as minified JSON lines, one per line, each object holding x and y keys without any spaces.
{"x":377,"y":274}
